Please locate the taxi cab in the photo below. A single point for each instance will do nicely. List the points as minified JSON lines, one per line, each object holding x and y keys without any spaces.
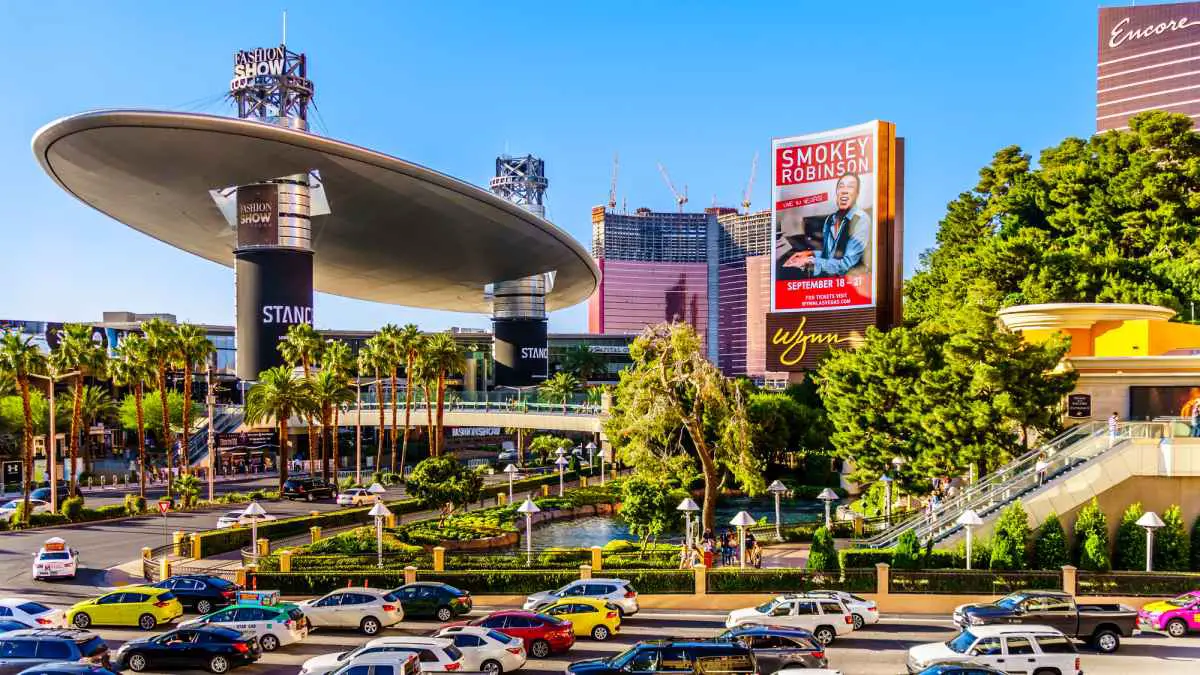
{"x":588,"y":616}
{"x":275,"y":623}
{"x":55,"y":560}
{"x":141,"y":606}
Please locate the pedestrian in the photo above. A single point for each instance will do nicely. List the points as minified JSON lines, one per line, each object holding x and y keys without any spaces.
{"x":708,"y":552}
{"x":1196,"y":418}
{"x":1113,"y":421}
{"x":1040,"y":467}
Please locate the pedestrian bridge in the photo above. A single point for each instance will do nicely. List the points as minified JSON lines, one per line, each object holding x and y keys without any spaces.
{"x":541,"y":416}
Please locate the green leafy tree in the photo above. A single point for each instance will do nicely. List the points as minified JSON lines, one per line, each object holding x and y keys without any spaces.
{"x":127,"y":413}
{"x":673,"y":405}
{"x":1129,"y":553}
{"x":560,"y":387}
{"x":338,"y":358}
{"x":77,"y":352}
{"x":161,"y":338}
{"x":329,"y":393}
{"x":648,"y":507}
{"x":1171,"y":546}
{"x":444,"y":483}
{"x":20,"y":358}
{"x":277,"y":396}
{"x":1090,"y":521}
{"x":132,"y":369}
{"x":1050,"y":545}
{"x":373,"y":359}
{"x":1094,"y":557}
{"x":446,"y":359}
{"x":582,"y":362}
{"x":97,"y":406}
{"x":187,"y":486}
{"x":1008,"y":541}
{"x":546,"y":445}
{"x":907,"y":555}
{"x":822,"y":555}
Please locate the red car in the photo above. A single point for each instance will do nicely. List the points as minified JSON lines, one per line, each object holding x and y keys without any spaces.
{"x":543,"y":635}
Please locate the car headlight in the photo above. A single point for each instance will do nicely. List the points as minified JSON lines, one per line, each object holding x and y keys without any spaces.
{"x":975,"y":620}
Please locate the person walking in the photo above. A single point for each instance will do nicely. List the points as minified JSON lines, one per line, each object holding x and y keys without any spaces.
{"x":1196,"y":419}
{"x":1040,"y":468}
{"x":1113,"y":422}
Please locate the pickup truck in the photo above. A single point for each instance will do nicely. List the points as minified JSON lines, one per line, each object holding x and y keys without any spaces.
{"x":1100,"y":625}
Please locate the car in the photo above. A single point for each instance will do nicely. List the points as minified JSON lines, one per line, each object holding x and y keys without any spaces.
{"x":431,"y":599}
{"x":55,"y":560}
{"x":599,"y":619}
{"x":35,"y":646}
{"x":367,"y":609}
{"x":965,"y":668}
{"x":1100,"y":624}
{"x":1011,"y":648}
{"x":141,"y":606}
{"x":617,"y":591}
{"x":433,"y":654}
{"x":43,"y":491}
{"x":863,"y":611}
{"x":777,"y":648}
{"x":543,"y":635}
{"x":826,"y":618}
{"x":378,"y":663}
{"x":201,"y":593}
{"x":9,"y":509}
{"x":507,"y":456}
{"x":1177,"y":616}
{"x":486,"y":650}
{"x":232,"y":518}
{"x":213,"y":648}
{"x":66,"y":668}
{"x":275,"y":625}
{"x":676,"y":656}
{"x":33,"y":613}
{"x":309,"y":488}
{"x":355,"y":497}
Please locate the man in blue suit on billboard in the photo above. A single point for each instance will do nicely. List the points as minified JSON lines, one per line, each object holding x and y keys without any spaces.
{"x":845,"y":235}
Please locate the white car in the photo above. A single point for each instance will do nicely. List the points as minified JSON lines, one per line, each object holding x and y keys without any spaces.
{"x":55,"y":560}
{"x":239,"y":518}
{"x":485,"y":650}
{"x":825,"y":618}
{"x":433,"y":654}
{"x":1011,"y":648}
{"x":863,"y":611}
{"x":366,"y":609}
{"x":32,"y":613}
{"x":617,"y":591}
{"x":355,"y":497}
{"x":275,"y":625}
{"x":380,"y":663}
{"x":9,"y":509}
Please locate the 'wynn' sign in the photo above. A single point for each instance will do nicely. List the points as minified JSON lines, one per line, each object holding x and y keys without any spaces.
{"x":1121,"y":33}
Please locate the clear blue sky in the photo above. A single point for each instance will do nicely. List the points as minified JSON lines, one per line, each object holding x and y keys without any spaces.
{"x":699,"y":86}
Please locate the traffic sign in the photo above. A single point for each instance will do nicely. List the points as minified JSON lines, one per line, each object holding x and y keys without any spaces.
{"x":163,"y":507}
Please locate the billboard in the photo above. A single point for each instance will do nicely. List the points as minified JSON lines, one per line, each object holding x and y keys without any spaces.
{"x":257,"y":215}
{"x":274,"y":292}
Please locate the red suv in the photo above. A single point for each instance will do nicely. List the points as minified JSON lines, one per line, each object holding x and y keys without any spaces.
{"x":543,"y":635}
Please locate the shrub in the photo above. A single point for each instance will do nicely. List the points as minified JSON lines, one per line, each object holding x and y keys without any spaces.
{"x":72,"y":508}
{"x":1008,"y":542}
{"x":784,"y":580}
{"x":1094,"y":557}
{"x":908,"y":552}
{"x":134,"y":505}
{"x":859,"y":558}
{"x":1129,"y":552}
{"x":1091,"y":520}
{"x":657,"y":581}
{"x":1171,"y":546}
{"x":822,"y":556}
{"x":442,"y":482}
{"x":1004,"y":555}
{"x":1050,"y":546}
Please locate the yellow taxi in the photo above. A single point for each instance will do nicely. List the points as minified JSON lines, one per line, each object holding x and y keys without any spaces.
{"x":141,"y":606}
{"x":589,"y":616}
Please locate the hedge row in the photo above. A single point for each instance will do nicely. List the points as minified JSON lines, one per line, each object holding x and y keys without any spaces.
{"x":502,"y":582}
{"x":1154,"y":584}
{"x":786,"y":580}
{"x":869,"y":557}
{"x":320,"y":583}
{"x":973,"y":582}
{"x":655,"y":581}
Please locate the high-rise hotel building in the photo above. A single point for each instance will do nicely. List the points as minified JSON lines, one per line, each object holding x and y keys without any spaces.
{"x":1148,"y":59}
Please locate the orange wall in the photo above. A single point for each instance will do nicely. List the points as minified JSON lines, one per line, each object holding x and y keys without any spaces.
{"x":1139,"y":337}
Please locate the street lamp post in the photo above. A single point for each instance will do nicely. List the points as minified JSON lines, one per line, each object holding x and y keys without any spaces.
{"x":561,"y":463}
{"x":603,"y":457}
{"x":358,"y":385}
{"x":511,"y":470}
{"x":52,"y":436}
{"x":591,"y":450}
{"x":828,"y":496}
{"x":742,"y":520}
{"x":777,"y":488}
{"x":1151,"y":522}
{"x":688,"y":507}
{"x":969,"y":520}
{"x":379,"y":512}
{"x":897,"y":462}
{"x":887,"y":499}
{"x":252,"y":513}
{"x":528,"y":508}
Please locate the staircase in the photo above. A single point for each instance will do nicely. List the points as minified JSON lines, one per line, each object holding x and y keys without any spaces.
{"x":1067,"y":454}
{"x":226,"y":420}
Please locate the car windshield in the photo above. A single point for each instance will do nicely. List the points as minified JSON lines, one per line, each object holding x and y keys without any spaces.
{"x":55,"y":555}
{"x":1010,"y":601}
{"x":391,"y":597}
{"x":962,"y":643}
{"x":621,"y":659}
{"x":166,"y":597}
{"x":857,"y":598}
{"x":766,"y":607}
{"x":452,"y":590}
{"x":33,"y":607}
{"x":295,"y":614}
{"x":551,"y":619}
{"x":727,"y":635}
{"x":92,"y":646}
{"x":1183,"y":600}
{"x":9,"y":506}
{"x":234,"y":514}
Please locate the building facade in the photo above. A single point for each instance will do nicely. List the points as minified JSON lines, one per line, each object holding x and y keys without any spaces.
{"x":1148,"y":59}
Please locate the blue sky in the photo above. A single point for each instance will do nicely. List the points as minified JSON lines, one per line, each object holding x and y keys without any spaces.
{"x":699,"y":86}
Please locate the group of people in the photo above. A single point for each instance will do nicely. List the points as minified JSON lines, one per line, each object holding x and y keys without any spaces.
{"x":725,"y":546}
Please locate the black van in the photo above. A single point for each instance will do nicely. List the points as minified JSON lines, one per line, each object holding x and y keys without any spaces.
{"x":309,"y":488}
{"x":700,"y":657}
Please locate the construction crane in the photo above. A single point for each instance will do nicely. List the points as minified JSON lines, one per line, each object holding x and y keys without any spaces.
{"x":612,"y":187}
{"x":680,"y":199}
{"x":750,"y":184}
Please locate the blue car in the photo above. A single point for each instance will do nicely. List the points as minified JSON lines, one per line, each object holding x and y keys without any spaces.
{"x":66,"y":668}
{"x":12,"y":624}
{"x":960,"y":669}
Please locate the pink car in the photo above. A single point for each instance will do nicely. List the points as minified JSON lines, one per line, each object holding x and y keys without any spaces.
{"x":1176,"y":616}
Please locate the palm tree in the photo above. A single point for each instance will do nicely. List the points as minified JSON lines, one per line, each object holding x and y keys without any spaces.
{"x":560,"y":387}
{"x":446,"y":359}
{"x":98,"y":406}
{"x":278,"y":395}
{"x":338,"y":358}
{"x":8,"y":386}
{"x":409,"y":342}
{"x":132,"y":368}
{"x":329,"y":392}
{"x":77,"y":351}
{"x":301,"y":346}
{"x":425,"y":376}
{"x":188,"y":488}
{"x":193,"y":349}
{"x":160,"y":347}
{"x":373,"y":358}
{"x":389,"y":337}
{"x":19,"y":357}
{"x":582,"y":362}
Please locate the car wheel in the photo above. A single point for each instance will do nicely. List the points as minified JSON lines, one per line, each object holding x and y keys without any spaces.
{"x":825,"y":635}
{"x":218,"y":664}
{"x":147,"y":622}
{"x":204,"y":607}
{"x":859,"y":622}
{"x":137,"y":662}
{"x":601,"y":633}
{"x":444,"y":614}
{"x":369,"y":626}
{"x":1106,"y":641}
{"x":82,"y":620}
{"x":1176,"y":628}
{"x":491,"y":667}
{"x":540,"y":649}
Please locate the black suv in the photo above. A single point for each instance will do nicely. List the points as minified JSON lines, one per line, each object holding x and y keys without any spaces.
{"x":699,"y":657}
{"x":308,"y":488}
{"x":20,"y":649}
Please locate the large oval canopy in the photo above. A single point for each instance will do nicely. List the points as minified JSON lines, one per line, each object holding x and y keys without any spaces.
{"x":397,"y":232}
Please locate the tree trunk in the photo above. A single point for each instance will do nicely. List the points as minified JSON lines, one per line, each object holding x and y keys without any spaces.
{"x":283,"y":448}
{"x":76,"y":417}
{"x":382,"y":426}
{"x":428,"y":420}
{"x":168,"y":439}
{"x":308,"y":422}
{"x":334,"y":448}
{"x":394,"y":401}
{"x":141,"y":439}
{"x":408,"y":389}
{"x":185,"y":457}
{"x":326,"y":422}
{"x":441,"y":410}
{"x":27,"y":438}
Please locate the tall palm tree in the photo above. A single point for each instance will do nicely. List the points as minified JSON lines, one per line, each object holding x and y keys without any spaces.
{"x":19,"y":357}
{"x":582,"y":362}
{"x":372,"y":358}
{"x":409,"y":342}
{"x":560,"y":387}
{"x":160,"y":347}
{"x":301,"y":346}
{"x":278,"y":395}
{"x":98,"y":406}
{"x":425,"y":376}
{"x":8,"y":386}
{"x":390,"y":337}
{"x":193,"y":348}
{"x":446,"y":359}
{"x":338,"y":358}
{"x":77,"y":351}
{"x":329,"y":392}
{"x":133,"y":369}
